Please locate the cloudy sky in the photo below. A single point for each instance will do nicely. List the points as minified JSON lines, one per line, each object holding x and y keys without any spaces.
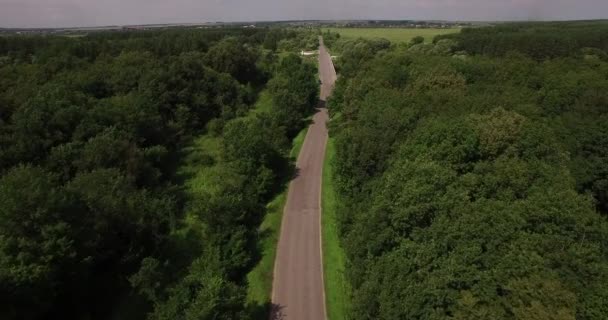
{"x":67,"y":13}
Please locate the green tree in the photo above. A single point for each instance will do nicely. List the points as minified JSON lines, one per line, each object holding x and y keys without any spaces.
{"x":416,"y":40}
{"x":235,"y":58}
{"x":37,"y":241}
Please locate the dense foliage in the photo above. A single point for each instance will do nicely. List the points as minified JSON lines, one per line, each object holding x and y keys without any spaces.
{"x":92,"y":214}
{"x":538,"y":40}
{"x":475,"y":187}
{"x":253,"y":167}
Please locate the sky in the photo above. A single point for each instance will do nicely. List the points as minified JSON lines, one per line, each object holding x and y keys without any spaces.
{"x":74,"y":13}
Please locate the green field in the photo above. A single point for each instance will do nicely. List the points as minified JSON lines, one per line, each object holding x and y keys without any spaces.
{"x":394,"y":35}
{"x":337,"y":289}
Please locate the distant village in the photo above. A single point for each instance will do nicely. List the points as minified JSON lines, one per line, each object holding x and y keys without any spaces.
{"x":384,"y":24}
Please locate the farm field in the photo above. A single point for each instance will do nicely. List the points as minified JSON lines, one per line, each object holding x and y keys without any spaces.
{"x":395,"y":35}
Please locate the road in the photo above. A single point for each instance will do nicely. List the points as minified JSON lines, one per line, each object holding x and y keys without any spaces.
{"x":298,"y":291}
{"x":327,"y":72}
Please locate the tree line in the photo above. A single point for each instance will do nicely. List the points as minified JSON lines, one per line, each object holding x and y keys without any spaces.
{"x":538,"y":40}
{"x":254,"y":167}
{"x":474,"y":186}
{"x":91,"y":128}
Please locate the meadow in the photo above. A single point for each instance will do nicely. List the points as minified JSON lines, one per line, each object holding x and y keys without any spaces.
{"x":394,"y":35}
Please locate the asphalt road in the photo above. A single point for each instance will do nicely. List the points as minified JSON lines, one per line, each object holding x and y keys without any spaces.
{"x":298,"y":291}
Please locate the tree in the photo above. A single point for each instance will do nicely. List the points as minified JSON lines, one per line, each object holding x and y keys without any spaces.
{"x":202,"y":294}
{"x":416,"y":40}
{"x":37,"y":241}
{"x":94,"y":213}
{"x":294,"y":92}
{"x":472,"y":188}
{"x":231,"y":56}
{"x":147,"y":280}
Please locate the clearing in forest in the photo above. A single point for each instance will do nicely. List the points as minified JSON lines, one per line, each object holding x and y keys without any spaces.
{"x":394,"y":35}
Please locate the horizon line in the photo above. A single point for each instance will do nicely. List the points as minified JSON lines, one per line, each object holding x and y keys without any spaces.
{"x":177,"y":24}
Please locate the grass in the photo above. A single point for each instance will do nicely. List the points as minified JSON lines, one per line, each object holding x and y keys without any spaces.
{"x":394,"y":35}
{"x":200,"y":169}
{"x":263,"y":104}
{"x":298,"y":141}
{"x":337,"y":289}
{"x":260,"y":278}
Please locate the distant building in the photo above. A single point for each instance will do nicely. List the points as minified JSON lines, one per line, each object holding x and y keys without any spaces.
{"x":308,"y":53}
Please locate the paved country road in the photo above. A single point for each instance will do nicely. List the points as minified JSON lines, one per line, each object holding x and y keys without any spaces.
{"x":297,"y":290}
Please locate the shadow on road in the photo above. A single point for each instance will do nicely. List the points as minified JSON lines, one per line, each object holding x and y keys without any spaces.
{"x":276,"y":312}
{"x":295,"y":173}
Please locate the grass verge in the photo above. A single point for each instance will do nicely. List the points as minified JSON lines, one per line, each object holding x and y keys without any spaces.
{"x":298,"y":141}
{"x":260,"y":278}
{"x":337,"y":289}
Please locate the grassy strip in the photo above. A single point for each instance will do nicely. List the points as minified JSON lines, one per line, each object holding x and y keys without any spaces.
{"x":298,"y":141}
{"x":263,"y":104}
{"x":200,"y":164}
{"x":202,"y":171}
{"x":201,"y":167}
{"x":260,"y":278}
{"x":337,"y":289}
{"x":394,"y":35}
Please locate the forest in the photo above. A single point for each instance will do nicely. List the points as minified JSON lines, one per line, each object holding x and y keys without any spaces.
{"x":472,"y":173}
{"x":471,"y":170}
{"x":96,"y":221}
